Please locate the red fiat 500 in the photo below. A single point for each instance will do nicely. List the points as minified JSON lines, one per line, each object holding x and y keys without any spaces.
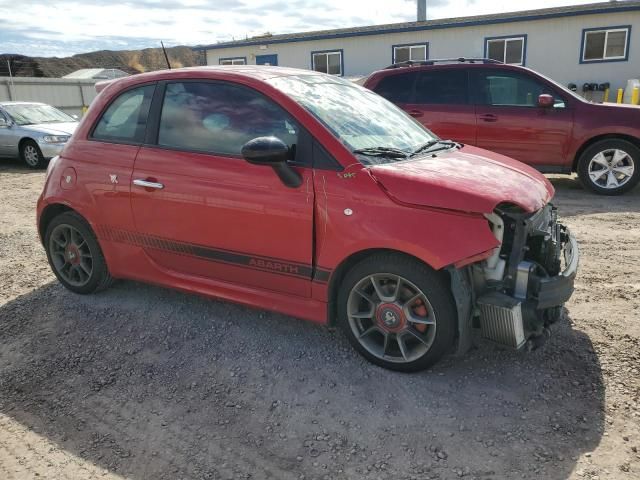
{"x":303,"y":193}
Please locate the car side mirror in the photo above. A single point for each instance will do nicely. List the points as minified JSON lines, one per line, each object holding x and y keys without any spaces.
{"x":4,"y":122}
{"x":545,"y":100}
{"x":272,"y":152}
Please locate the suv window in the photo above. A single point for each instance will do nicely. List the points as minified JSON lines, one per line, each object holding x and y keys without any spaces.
{"x":397,"y":88}
{"x":505,"y":88}
{"x":216,"y":117}
{"x":125,"y":119}
{"x":442,"y":87}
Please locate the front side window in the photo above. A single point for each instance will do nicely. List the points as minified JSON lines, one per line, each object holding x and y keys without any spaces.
{"x":414,"y":53}
{"x":125,"y":120}
{"x":356,"y":116}
{"x":442,"y":87}
{"x":327,"y":62}
{"x":219,"y":118}
{"x":506,"y":50}
{"x":605,"y":44}
{"x":233,"y":61}
{"x":513,"y":89}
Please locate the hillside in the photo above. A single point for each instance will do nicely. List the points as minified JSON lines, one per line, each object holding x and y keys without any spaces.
{"x":132,"y":61}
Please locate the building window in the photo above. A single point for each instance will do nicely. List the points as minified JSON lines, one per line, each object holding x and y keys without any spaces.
{"x":414,"y":53}
{"x":605,"y":44}
{"x":327,"y":62}
{"x":509,"y":50}
{"x":233,"y":61}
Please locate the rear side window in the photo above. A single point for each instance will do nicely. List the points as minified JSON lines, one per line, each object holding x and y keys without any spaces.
{"x":219,"y":118}
{"x":125,"y":120}
{"x":397,"y":88}
{"x":437,"y":87}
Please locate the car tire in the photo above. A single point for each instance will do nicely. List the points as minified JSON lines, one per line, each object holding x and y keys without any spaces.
{"x":31,"y":154}
{"x":75,"y":255}
{"x":610,"y":166}
{"x":397,"y":312}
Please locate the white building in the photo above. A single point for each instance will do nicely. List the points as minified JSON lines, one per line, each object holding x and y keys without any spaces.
{"x":576,"y":44}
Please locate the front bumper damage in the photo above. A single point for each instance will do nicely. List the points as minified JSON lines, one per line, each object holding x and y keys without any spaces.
{"x":537,"y":264}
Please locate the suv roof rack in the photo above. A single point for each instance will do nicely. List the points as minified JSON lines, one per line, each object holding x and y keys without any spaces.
{"x":411,"y":63}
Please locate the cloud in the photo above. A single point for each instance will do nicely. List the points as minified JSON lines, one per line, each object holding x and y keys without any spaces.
{"x":65,"y":27}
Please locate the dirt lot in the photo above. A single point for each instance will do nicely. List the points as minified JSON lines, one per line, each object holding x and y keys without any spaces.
{"x":141,"y":382}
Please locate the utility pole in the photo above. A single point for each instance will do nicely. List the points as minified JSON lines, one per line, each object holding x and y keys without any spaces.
{"x":422,"y":11}
{"x":10,"y":80}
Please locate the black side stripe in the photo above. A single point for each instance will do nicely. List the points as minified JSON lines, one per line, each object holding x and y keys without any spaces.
{"x":254,"y":262}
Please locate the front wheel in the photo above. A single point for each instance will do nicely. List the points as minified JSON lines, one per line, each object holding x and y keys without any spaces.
{"x":610,"y":167}
{"x":397,"y":312}
{"x":31,"y":154}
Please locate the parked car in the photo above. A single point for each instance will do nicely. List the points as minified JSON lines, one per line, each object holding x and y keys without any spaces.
{"x":522,"y":114}
{"x":303,"y":193}
{"x":34,"y":132}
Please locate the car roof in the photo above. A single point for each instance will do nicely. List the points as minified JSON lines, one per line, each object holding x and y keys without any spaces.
{"x":399,"y":69}
{"x":257,"y":72}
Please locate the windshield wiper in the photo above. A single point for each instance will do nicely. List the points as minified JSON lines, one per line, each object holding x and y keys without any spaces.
{"x":389,"y":152}
{"x":429,"y":146}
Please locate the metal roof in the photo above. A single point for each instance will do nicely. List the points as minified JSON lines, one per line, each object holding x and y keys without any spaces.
{"x":525,"y":15}
{"x":97,"y":73}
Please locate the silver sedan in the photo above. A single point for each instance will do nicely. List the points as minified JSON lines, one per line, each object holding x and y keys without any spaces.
{"x":35,"y":132}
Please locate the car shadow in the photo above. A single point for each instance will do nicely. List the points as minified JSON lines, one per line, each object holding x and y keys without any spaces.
{"x":147,"y":382}
{"x":574,"y":200}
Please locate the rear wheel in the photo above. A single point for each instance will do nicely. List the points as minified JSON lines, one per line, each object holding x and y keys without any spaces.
{"x":31,"y":154}
{"x":610,"y":166}
{"x":397,"y":312}
{"x":74,"y":254}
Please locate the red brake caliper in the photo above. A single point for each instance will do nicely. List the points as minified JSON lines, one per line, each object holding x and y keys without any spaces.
{"x":420,"y":310}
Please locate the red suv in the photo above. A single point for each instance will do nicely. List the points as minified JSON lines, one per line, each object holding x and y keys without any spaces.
{"x":303,"y":193}
{"x":522,"y":114}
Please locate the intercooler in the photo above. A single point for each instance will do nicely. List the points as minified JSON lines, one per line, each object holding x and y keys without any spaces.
{"x":501,"y":319}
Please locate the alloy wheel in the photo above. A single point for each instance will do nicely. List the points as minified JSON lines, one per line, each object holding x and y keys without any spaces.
{"x":391,"y":318}
{"x":71,"y":255}
{"x":611,"y":168}
{"x":31,"y":155}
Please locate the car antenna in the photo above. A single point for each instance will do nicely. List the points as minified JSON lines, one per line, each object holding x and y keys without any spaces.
{"x":164,"y":50}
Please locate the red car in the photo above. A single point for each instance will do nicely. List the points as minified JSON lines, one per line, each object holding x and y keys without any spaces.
{"x":517,"y":112}
{"x":306,"y":194}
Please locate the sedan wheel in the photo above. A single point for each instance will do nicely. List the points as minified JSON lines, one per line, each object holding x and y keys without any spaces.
{"x":31,"y":155}
{"x":391,"y":318}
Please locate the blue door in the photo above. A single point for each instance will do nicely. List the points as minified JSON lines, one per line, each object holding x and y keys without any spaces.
{"x":267,"y":60}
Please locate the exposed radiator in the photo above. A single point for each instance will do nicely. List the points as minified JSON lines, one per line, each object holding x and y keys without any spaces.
{"x":501,"y":319}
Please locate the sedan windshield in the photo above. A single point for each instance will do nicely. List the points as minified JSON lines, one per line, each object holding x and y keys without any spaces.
{"x":364,"y":121}
{"x":33,"y":113}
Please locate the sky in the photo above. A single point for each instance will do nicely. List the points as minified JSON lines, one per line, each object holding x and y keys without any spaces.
{"x":66,"y":27}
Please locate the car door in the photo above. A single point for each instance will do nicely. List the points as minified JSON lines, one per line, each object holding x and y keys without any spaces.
{"x":8,"y":141}
{"x":202,"y":210}
{"x":441,"y":103}
{"x":511,"y":122}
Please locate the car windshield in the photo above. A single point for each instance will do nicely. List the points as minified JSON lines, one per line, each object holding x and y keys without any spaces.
{"x":32,"y":113}
{"x":364,"y":121}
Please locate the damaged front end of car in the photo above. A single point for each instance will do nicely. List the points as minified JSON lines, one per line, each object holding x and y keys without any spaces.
{"x":519,"y":290}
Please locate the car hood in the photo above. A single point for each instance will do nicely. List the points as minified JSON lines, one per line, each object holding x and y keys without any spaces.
{"x":469,"y":179}
{"x":53,"y":128}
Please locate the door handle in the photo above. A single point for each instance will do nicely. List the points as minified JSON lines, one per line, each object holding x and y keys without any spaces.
{"x":416,"y":113}
{"x":147,"y":184}
{"x":488,"y":117}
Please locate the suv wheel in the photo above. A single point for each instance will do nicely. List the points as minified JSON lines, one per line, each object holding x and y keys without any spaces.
{"x":610,"y":167}
{"x":397,"y":312}
{"x":31,"y":154}
{"x":74,"y":254}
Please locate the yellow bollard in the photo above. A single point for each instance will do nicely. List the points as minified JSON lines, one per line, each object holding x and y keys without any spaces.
{"x":620,"y":92}
{"x":606,"y":95}
{"x":635,"y":95}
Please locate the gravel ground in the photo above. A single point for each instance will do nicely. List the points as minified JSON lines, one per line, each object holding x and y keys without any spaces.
{"x":142,"y":382}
